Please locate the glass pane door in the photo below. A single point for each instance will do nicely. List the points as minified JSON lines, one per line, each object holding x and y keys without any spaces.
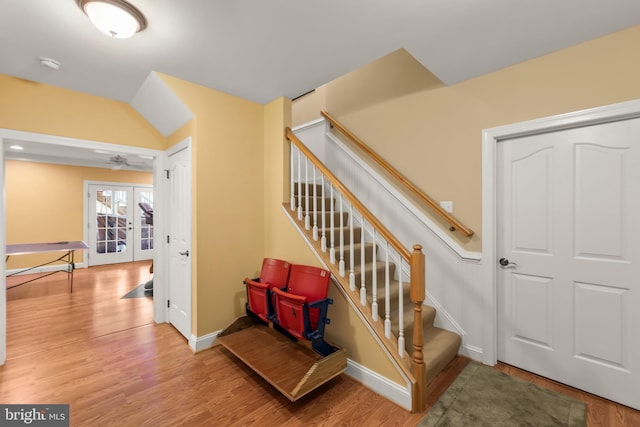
{"x":143,"y":232}
{"x":110,"y":224}
{"x":111,"y":221}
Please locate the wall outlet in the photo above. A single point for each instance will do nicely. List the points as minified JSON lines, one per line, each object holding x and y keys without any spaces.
{"x":447,"y":206}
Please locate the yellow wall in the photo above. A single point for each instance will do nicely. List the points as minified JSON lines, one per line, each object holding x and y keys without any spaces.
{"x":392,"y":76}
{"x":433,"y":135}
{"x":35,"y":107}
{"x":44,"y":203}
{"x":228,"y":200}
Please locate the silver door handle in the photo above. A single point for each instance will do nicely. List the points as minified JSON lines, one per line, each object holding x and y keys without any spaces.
{"x":184,"y":253}
{"x":504,"y":262}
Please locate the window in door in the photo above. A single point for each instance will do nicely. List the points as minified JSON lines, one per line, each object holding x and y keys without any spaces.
{"x":111,"y":221}
{"x":143,"y":235}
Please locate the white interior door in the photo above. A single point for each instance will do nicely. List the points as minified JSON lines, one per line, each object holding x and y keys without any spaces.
{"x":179,"y":220}
{"x":568,"y":292}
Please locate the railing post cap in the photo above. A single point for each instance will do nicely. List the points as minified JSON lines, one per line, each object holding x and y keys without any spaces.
{"x":417,"y":248}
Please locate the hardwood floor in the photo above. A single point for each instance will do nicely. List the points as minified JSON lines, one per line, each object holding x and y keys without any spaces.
{"x":105,"y":357}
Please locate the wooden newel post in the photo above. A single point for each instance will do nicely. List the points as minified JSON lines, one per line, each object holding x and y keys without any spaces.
{"x":417,"y":295}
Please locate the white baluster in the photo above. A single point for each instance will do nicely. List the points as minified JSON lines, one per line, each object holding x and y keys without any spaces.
{"x":299,"y":187}
{"x":374,"y":281}
{"x":323,"y":239}
{"x":400,"y":312}
{"x":315,"y":206}
{"x":363,"y":287}
{"x":307,"y":220}
{"x":352,"y":247}
{"x":291,"y":176}
{"x":387,"y":303}
{"x":341,"y":263}
{"x":332,"y":231}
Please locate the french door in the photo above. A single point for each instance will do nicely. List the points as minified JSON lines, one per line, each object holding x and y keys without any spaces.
{"x":118,"y":229}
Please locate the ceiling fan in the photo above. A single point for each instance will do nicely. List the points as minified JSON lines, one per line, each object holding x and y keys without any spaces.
{"x":118,"y":162}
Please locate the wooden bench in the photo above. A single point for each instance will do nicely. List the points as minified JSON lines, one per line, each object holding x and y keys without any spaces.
{"x":293,"y":368}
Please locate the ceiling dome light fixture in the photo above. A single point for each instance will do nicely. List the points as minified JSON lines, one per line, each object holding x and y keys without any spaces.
{"x":116,"y":18}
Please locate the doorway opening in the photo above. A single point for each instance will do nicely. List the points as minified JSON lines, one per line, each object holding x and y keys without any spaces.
{"x":78,"y":148}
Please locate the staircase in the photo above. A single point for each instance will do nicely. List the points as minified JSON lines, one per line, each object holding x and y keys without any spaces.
{"x":365,"y":282}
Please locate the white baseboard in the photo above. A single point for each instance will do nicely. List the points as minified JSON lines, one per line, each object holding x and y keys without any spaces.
{"x":472,"y":352}
{"x":204,"y":342}
{"x":379,"y":384}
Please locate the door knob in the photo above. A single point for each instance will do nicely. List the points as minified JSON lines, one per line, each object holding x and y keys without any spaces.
{"x":184,"y":253}
{"x":506,"y":263}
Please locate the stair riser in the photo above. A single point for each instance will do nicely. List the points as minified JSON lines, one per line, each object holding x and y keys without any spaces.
{"x":303,"y":189}
{"x":368,"y":276}
{"x":336,"y":237}
{"x":357,"y":252}
{"x":318,"y":200}
{"x":428,"y":317}
{"x":428,"y":313}
{"x":408,"y":327}
{"x":393,"y":300}
{"x":327,"y":218}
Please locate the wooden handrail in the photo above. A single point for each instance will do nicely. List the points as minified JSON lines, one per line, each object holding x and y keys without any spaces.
{"x":453,"y":222}
{"x":386,"y":234}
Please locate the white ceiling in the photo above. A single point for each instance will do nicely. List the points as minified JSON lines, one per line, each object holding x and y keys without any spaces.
{"x":261,"y":50}
{"x":108,"y":156}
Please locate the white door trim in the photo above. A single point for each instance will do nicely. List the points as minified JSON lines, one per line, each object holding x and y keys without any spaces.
{"x":490,"y":138}
{"x":69,"y":142}
{"x":3,"y":242}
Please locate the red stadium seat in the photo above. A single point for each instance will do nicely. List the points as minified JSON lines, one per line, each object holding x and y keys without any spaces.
{"x":274,"y":274}
{"x":301,"y":311}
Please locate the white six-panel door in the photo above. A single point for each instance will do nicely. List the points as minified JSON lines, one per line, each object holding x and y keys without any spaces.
{"x":179,"y":216}
{"x":568,"y":235}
